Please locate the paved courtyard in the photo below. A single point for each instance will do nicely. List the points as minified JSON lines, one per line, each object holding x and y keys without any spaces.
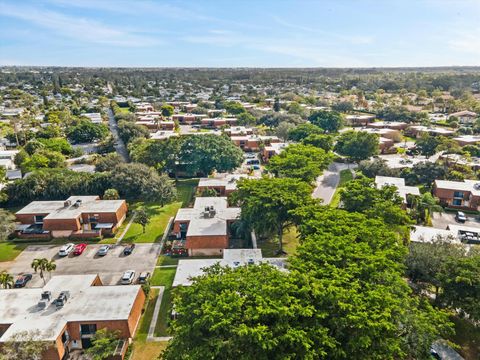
{"x":110,"y":267}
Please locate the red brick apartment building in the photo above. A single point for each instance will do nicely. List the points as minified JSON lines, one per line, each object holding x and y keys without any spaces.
{"x":458,"y":194}
{"x":206,"y":227}
{"x":68,"y":311}
{"x":78,"y":216}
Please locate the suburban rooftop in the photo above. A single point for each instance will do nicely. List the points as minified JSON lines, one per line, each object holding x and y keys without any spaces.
{"x":19,"y":307}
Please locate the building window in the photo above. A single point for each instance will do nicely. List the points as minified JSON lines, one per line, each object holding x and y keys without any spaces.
{"x":38,"y":219}
{"x":88,"y":329}
{"x":457,"y":202}
{"x":458,"y":194}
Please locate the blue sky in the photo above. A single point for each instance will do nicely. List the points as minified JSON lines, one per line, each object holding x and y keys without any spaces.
{"x":231,"y":33}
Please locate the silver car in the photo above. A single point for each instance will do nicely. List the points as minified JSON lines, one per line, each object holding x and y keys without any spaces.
{"x":66,"y":249}
{"x":127,"y":277}
{"x":103,"y":250}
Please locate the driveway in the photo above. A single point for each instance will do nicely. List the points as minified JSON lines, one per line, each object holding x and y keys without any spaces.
{"x":120,"y":147}
{"x":327,"y":182}
{"x":110,"y":267}
{"x":442,"y":220}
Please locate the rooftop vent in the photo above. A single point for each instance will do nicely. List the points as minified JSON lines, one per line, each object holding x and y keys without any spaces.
{"x":46,"y":295}
{"x":476,"y":186}
{"x":61,"y":300}
{"x":78,"y":203}
{"x":67,"y":203}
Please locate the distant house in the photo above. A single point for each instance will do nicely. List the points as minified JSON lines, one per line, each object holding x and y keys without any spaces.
{"x":458,"y":194}
{"x":215,"y":123}
{"x":418,"y":130}
{"x":272,"y":150}
{"x":78,"y":216}
{"x":7,"y":158}
{"x":359,"y":120}
{"x":467,"y":140}
{"x":95,"y":118}
{"x":188,"y":119}
{"x":399,"y":183}
{"x":189,"y":268}
{"x":205,"y":228}
{"x":253,"y":142}
{"x":394,"y":125}
{"x":454,"y":233}
{"x":68,"y":311}
{"x":465,"y":116}
{"x":222,"y":184}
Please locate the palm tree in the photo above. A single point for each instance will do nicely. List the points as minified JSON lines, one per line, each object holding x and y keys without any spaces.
{"x":424,"y":206}
{"x":6,"y":280}
{"x":43,"y":265}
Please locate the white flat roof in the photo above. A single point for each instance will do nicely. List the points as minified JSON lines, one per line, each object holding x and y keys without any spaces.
{"x":199,"y":225}
{"x":57,"y":209}
{"x":399,"y":183}
{"x":466,"y":185}
{"x":19,"y":307}
{"x":187,"y":269}
{"x":425,"y":234}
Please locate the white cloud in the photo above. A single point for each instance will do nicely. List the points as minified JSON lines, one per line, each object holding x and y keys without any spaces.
{"x":77,"y":28}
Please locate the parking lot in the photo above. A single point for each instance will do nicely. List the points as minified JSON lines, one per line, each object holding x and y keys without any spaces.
{"x":442,"y":220}
{"x":110,"y":267}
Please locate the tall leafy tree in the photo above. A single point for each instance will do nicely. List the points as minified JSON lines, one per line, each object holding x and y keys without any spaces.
{"x":304,"y":162}
{"x":427,"y":144}
{"x":329,"y":121}
{"x":24,"y":345}
{"x":135,"y":181}
{"x":251,"y":312}
{"x":304,"y":130}
{"x":142,"y":218}
{"x":206,"y":153}
{"x":460,"y":282}
{"x":356,"y":265}
{"x":357,"y":145}
{"x":104,"y":342}
{"x":7,"y":224}
{"x":267,"y":203}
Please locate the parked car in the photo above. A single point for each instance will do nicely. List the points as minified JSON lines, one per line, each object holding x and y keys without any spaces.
{"x":22,"y":280}
{"x":128,"y":249}
{"x":79,"y":249}
{"x":103,"y":250}
{"x":143,"y":277}
{"x":250,"y":156}
{"x":127,"y":277}
{"x":460,"y":217}
{"x":66,"y":249}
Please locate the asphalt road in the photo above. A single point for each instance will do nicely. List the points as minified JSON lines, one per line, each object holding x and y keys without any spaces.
{"x":120,"y":147}
{"x":327,"y":182}
{"x":110,"y":267}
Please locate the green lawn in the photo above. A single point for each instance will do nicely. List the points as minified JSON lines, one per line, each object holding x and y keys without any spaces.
{"x":167,"y":260}
{"x":186,"y":191}
{"x":147,"y":316}
{"x":345,"y":176}
{"x":164,"y":277}
{"x":9,"y":251}
{"x":143,"y":350}
{"x":270,"y":247}
{"x":159,"y":215}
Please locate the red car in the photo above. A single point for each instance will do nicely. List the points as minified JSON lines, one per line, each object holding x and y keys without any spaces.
{"x":79,"y":249}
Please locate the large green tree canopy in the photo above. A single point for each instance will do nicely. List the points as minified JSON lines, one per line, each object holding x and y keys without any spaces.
{"x":304,"y":162}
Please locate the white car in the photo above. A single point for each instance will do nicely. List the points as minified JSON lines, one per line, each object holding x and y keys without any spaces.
{"x":66,"y":249}
{"x":127,"y":277}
